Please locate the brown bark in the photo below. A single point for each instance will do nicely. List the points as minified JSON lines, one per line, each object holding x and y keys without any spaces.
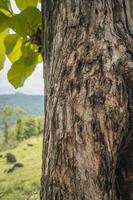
{"x":88,"y":78}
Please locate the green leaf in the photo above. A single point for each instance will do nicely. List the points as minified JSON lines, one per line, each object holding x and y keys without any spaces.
{"x":30,"y":49}
{"x":22,"y":4}
{"x":3,"y":21}
{"x":19,"y":72}
{"x":5,"y":4}
{"x":40,"y":59}
{"x":19,"y":25}
{"x":27,"y":22}
{"x":2,"y":47}
{"x":5,"y":7}
{"x":23,"y":67}
{"x":13,"y":43}
{"x":29,"y":55}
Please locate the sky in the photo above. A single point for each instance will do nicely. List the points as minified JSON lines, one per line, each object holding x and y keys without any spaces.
{"x":33,"y":85}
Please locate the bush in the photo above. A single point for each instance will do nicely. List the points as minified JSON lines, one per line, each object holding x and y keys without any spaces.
{"x":28,"y":126}
{"x":40,"y":124}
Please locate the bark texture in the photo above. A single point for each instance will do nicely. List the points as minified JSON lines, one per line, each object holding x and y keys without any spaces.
{"x":88,"y":78}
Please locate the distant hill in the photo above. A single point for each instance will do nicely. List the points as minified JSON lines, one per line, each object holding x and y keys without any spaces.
{"x":32,"y":104}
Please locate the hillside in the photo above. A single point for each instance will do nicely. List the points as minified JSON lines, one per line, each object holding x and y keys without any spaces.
{"x":23,"y":183}
{"x":32,"y":104}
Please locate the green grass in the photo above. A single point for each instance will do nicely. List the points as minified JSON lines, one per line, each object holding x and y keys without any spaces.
{"x":24,"y":183}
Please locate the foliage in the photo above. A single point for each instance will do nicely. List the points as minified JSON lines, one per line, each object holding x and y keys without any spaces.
{"x":19,"y":112}
{"x":29,"y":126}
{"x":6,"y":112}
{"x":24,"y":183}
{"x":26,"y":3}
{"x":18,"y":128}
{"x":21,"y":46}
{"x":20,"y":131}
{"x":25,"y":126}
{"x":40,"y":124}
{"x":32,"y":104}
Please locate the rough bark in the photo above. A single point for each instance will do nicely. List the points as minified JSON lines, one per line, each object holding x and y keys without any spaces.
{"x":88,"y":78}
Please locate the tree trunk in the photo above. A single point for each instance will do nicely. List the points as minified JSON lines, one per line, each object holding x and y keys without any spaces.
{"x":88,"y":151}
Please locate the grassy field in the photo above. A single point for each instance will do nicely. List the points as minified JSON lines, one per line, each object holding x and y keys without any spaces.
{"x":23,"y":183}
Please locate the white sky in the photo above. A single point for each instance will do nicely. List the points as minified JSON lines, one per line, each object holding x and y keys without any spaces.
{"x":33,"y":85}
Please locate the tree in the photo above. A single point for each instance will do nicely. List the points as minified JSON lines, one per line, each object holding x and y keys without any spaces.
{"x":88,"y":57}
{"x":29,"y":126}
{"x":19,"y":112}
{"x":88,"y":51}
{"x":6,"y":113}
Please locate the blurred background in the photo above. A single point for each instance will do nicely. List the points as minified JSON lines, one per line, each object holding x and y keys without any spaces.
{"x":21,"y":128}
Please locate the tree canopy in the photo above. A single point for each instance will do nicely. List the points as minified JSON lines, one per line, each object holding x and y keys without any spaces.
{"x":20,"y":39}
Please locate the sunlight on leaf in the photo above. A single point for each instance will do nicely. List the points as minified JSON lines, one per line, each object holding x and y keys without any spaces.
{"x":5,"y":7}
{"x":22,"y":4}
{"x":39,"y":58}
{"x":19,"y":72}
{"x":23,"y":67}
{"x":13,"y":43}
{"x":27,"y":22}
{"x":23,"y":46}
{"x":2,"y":47}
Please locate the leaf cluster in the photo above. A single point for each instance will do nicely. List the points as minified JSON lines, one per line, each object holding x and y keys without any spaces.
{"x":19,"y":33}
